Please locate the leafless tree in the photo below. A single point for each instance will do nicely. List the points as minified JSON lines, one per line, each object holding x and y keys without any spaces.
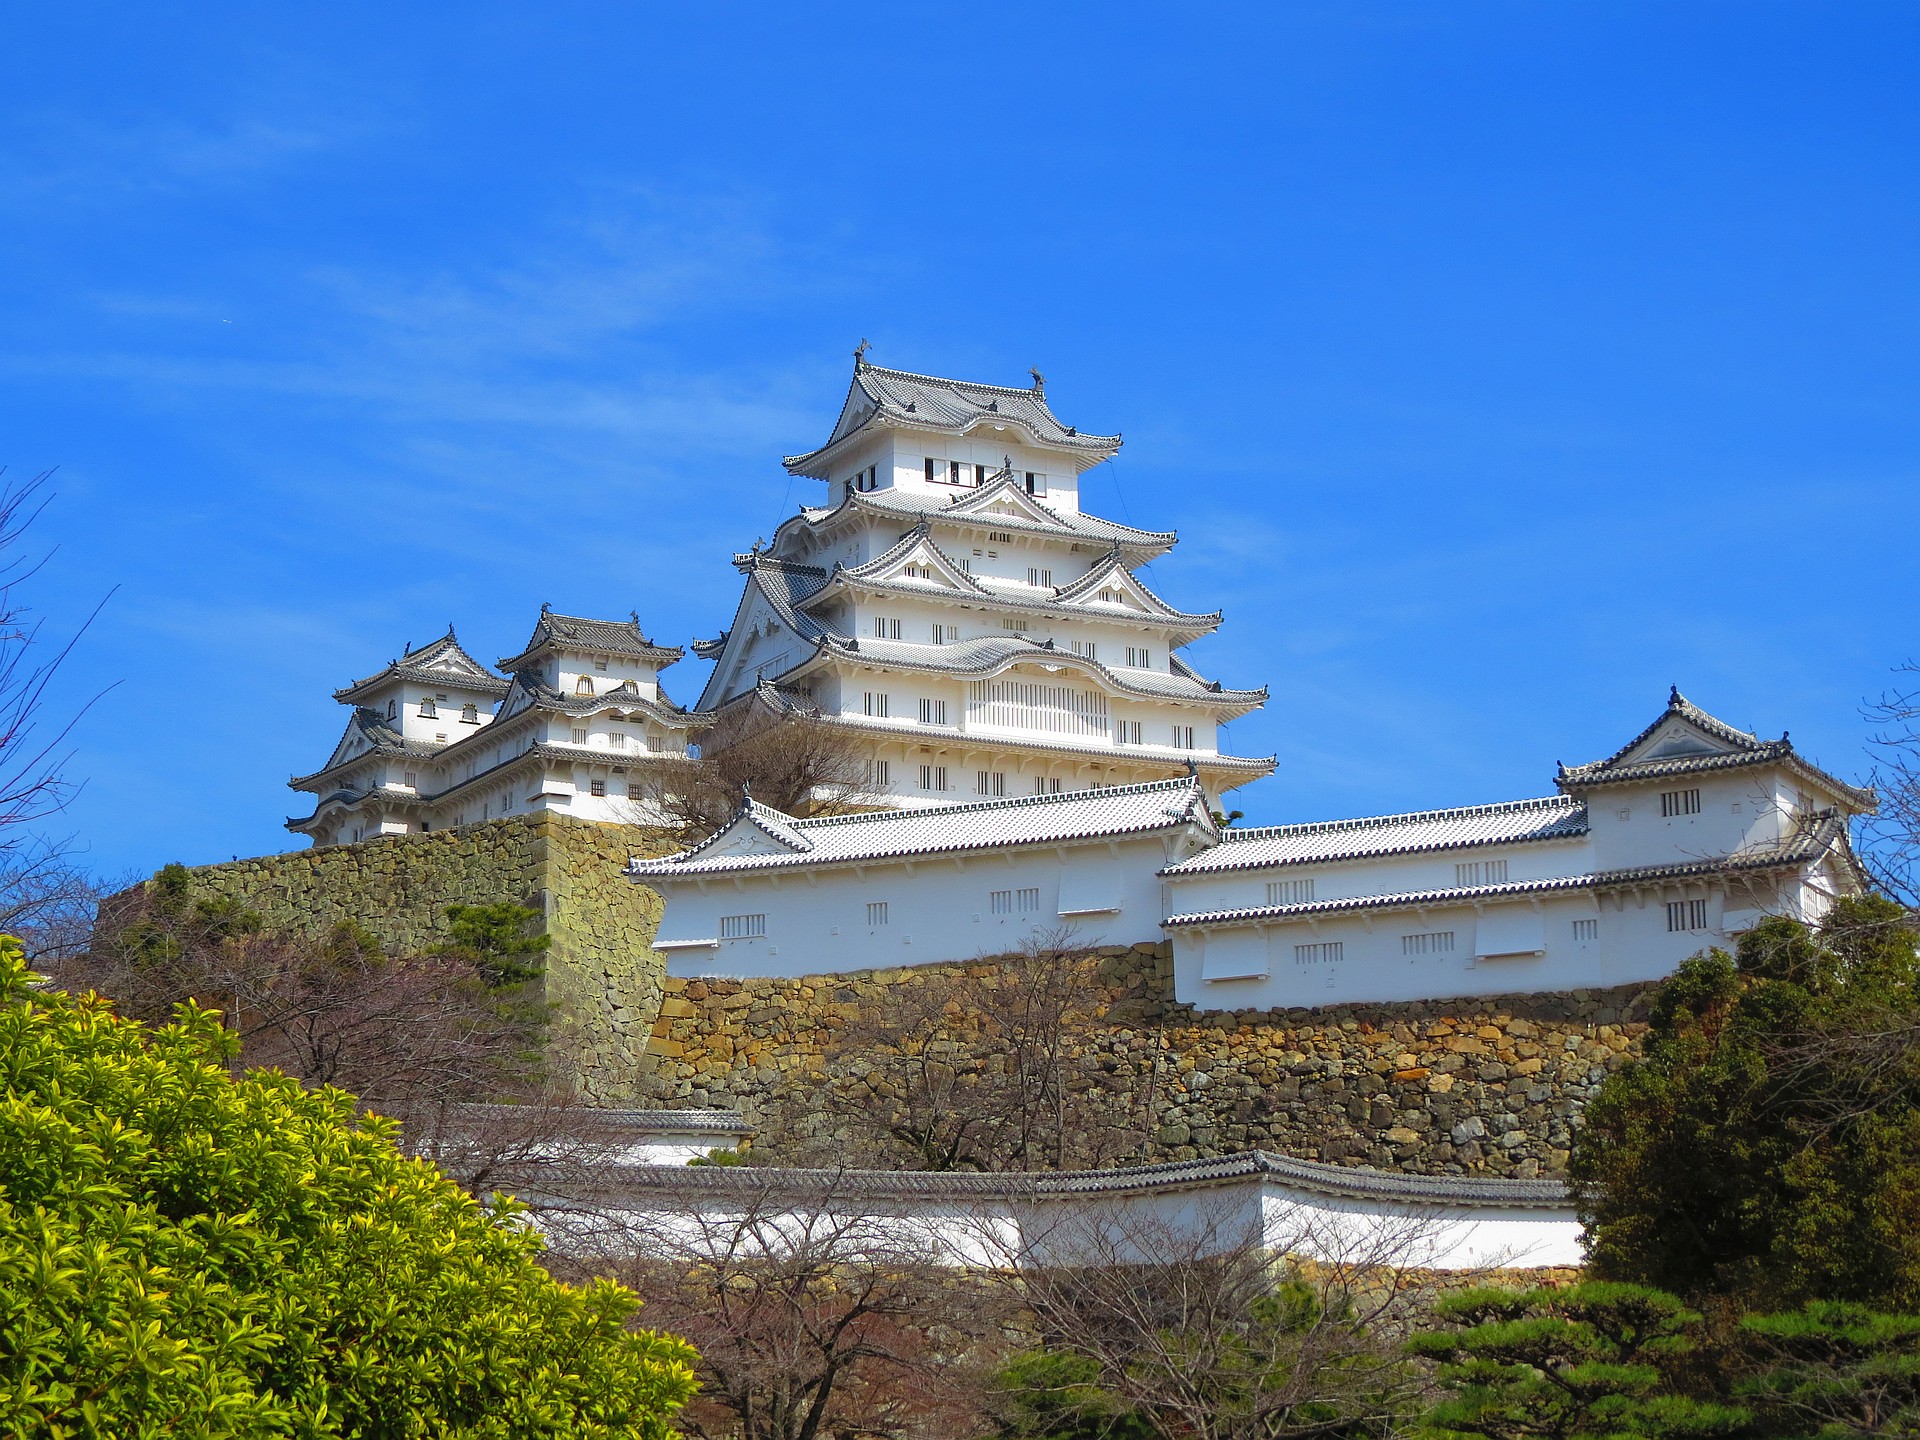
{"x":48,"y":899}
{"x":32,"y":752}
{"x":1214,"y":1325}
{"x":991,"y":1066}
{"x":1894,"y":833}
{"x":795,"y":762}
{"x":812,"y":1315}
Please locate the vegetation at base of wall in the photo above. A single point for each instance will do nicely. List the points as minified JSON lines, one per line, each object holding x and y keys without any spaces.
{"x":183,"y":1250}
{"x":1766,"y":1146}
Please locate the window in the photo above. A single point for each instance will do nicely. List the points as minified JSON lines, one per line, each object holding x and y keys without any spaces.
{"x":440,"y":739}
{"x":1585,"y":930}
{"x":1679,"y":802}
{"x":1084,"y":647}
{"x":393,"y":709}
{"x":933,"y":712}
{"x":917,"y":572}
{"x":1324,"y":953}
{"x":1686,"y":915}
{"x":1046,"y":785}
{"x":1183,"y":737}
{"x":979,"y":475}
{"x":427,"y":712}
{"x":1130,"y":732}
{"x":583,"y":686}
{"x":1290,"y":892}
{"x":1037,"y":575}
{"x":617,"y":739}
{"x":1432,"y":942}
{"x":657,"y":744}
{"x":1036,"y":705}
{"x":1480,"y":872}
{"x":932,"y":471}
{"x":1001,"y":902}
{"x":1112,"y":597}
{"x":742,"y":927}
{"x":954,"y":472}
{"x":1018,"y":624}
{"x":990,"y":782}
{"x":597,"y":788}
{"x":470,"y":714}
{"x":882,"y":773}
{"x":1036,"y":484}
{"x":945,"y":634}
{"x":885,"y":628}
{"x":579,"y":737}
{"x":1004,"y":537}
{"x":1139,"y":657}
{"x":876,"y":914}
{"x":877,"y":704}
{"x":1027,"y":901}
{"x":601,"y":666}
{"x":933,"y":777}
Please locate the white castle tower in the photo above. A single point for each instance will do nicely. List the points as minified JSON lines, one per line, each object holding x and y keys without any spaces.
{"x":953,"y":604}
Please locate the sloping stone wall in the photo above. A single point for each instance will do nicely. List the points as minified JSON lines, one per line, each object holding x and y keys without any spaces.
{"x":602,"y":974}
{"x":1481,"y":1086}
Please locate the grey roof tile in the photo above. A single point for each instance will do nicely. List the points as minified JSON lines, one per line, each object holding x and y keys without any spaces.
{"x":1555,"y":817}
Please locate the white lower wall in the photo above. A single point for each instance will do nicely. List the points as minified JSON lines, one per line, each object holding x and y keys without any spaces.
{"x":937,"y":908}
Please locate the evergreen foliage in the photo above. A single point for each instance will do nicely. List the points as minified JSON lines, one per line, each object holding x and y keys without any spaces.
{"x":1767,"y":1144}
{"x":1834,"y":1370}
{"x":187,"y":1252}
{"x":1057,"y":1395}
{"x":1583,"y":1363}
{"x":494,"y":939}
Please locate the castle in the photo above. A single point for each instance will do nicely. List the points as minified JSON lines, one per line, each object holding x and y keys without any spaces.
{"x":1045,"y":761}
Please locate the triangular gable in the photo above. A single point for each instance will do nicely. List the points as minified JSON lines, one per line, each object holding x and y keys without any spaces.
{"x":757,"y":616}
{"x":1682,"y":731}
{"x":757,"y":830}
{"x":445,"y":657}
{"x":916,"y":560}
{"x":1111,"y":575}
{"x":1003,"y":497}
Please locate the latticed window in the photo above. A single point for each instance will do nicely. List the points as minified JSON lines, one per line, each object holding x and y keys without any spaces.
{"x":1679,"y":802}
{"x":742,"y":927}
{"x":1686,"y":915}
{"x":1324,"y":952}
{"x":1290,"y":892}
{"x":1585,"y":930}
{"x":1430,"y":942}
{"x":933,"y":712}
{"x":1480,"y":872}
{"x":991,"y":782}
{"x":876,"y":913}
{"x":1036,"y":705}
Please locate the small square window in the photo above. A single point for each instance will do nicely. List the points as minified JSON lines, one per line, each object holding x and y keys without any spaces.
{"x":597,"y":787}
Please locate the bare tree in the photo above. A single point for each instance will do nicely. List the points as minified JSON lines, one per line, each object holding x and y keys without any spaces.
{"x":32,"y":755}
{"x":1215,"y":1325}
{"x":795,"y":762}
{"x":813,"y":1316}
{"x":1894,"y":833}
{"x":994,"y":1066}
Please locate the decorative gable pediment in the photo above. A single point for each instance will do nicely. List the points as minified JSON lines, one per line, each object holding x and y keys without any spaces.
{"x":1004,"y":499}
{"x":756,"y":830}
{"x":916,"y":560}
{"x":1676,"y":738}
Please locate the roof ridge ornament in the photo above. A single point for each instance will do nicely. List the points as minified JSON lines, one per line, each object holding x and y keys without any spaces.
{"x":1039,"y":382}
{"x":860,"y":355}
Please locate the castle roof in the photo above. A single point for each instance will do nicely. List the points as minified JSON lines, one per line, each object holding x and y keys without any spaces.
{"x":1556,"y":817}
{"x":439,"y":662}
{"x":375,"y":737}
{"x":1685,"y":740}
{"x":605,"y":637}
{"x":999,"y":505}
{"x":879,"y":398}
{"x":760,"y":838}
{"x":1827,"y":834}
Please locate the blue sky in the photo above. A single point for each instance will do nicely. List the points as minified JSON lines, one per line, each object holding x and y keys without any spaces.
{"x":1500,"y":364}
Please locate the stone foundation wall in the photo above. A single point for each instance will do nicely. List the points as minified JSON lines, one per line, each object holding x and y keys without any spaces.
{"x":602,"y":974}
{"x":1479,"y":1086}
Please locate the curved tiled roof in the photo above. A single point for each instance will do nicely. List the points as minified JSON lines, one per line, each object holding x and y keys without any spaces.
{"x":529,"y":693}
{"x":381,"y":739}
{"x":1556,"y":817}
{"x":1348,"y":1182}
{"x":985,"y":655}
{"x":1808,"y":846}
{"x":915,"y":505}
{"x":440,"y":662}
{"x":942,"y":829}
{"x":928,"y":402}
{"x":610,"y":637}
{"x":1722,"y":747}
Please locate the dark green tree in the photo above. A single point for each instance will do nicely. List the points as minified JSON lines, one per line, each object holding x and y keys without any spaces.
{"x":1057,"y":1395}
{"x":1834,"y":1370}
{"x":1589,"y":1362}
{"x":495,"y":940}
{"x":1766,"y":1145}
{"x":187,"y":1252}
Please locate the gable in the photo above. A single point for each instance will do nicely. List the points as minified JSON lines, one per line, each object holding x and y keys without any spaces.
{"x":1676,"y":738}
